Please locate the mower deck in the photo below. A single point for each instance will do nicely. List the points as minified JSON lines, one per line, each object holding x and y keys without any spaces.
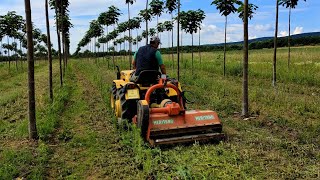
{"x":190,"y":126}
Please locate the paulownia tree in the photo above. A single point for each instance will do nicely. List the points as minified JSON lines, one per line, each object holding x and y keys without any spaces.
{"x":10,"y":24}
{"x":245,"y":11}
{"x":245,"y":99}
{"x":200,"y":17}
{"x":146,"y":16}
{"x":134,"y":23}
{"x":49,"y":51}
{"x":114,"y":14}
{"x":160,"y":28}
{"x":274,"y":72}
{"x":191,"y":21}
{"x":156,"y":9}
{"x":128,"y":2}
{"x":104,"y":20}
{"x":184,"y":24}
{"x":54,"y":4}
{"x":291,"y":4}
{"x":226,"y":7}
{"x":168,"y":26}
{"x":33,"y":133}
{"x":171,"y":5}
{"x":96,"y":30}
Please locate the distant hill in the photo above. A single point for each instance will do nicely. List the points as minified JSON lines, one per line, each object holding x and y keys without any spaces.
{"x":268,"y":38}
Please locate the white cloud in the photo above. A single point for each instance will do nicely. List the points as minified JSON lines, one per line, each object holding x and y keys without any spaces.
{"x":234,"y":28}
{"x":252,"y":37}
{"x":284,"y":33}
{"x":261,"y":27}
{"x":212,"y":28}
{"x":298,"y":30}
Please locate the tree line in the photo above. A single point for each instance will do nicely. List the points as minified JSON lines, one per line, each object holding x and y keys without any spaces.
{"x":13,"y":39}
{"x":262,"y":44}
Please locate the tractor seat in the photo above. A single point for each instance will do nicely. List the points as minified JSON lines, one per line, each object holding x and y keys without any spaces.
{"x":148,"y":77}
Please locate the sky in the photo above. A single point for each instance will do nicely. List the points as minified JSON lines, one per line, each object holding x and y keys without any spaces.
{"x":305,"y":18}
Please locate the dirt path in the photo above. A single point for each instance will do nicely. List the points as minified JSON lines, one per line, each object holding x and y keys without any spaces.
{"x":87,"y":145}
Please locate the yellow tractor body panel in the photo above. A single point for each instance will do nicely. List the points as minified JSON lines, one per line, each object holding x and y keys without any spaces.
{"x":120,"y":83}
{"x":125,"y":75}
{"x":172,"y":92}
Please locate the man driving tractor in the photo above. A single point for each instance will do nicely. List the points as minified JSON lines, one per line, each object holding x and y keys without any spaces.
{"x":148,"y":58}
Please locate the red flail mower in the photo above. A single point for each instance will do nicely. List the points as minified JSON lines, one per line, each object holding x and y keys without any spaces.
{"x":158,"y":108}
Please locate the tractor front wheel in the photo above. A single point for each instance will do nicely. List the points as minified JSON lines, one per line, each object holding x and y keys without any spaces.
{"x":143,"y":116}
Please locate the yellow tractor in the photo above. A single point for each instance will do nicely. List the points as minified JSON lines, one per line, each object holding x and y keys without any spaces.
{"x":157,"y":105}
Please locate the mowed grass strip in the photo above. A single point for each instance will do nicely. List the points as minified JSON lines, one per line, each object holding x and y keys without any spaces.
{"x":87,"y":145}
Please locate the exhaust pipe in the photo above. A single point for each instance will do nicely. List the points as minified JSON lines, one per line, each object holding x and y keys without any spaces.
{"x":118,"y":72}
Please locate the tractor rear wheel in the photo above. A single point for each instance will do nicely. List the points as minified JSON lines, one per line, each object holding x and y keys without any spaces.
{"x":128,"y":107}
{"x":113,"y":95}
{"x":143,"y":115}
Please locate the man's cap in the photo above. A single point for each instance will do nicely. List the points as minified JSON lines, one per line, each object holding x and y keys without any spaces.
{"x":155,"y":39}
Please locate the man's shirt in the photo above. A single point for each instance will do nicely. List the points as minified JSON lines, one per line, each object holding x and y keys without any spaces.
{"x":158,"y":57}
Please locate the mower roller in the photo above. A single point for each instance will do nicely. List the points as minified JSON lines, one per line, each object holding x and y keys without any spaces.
{"x":157,"y":106}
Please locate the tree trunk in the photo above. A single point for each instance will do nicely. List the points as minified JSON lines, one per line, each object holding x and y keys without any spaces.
{"x":200,"y":44}
{"x":114,"y":49}
{"x":95,"y":50}
{"x":137,"y":40}
{"x":21,"y":56}
{"x":107,"y":54}
{"x":67,"y":53}
{"x":169,"y":46}
{"x":147,"y":3}
{"x":16,"y":59}
{"x":182,"y":60}
{"x":157,"y":25}
{"x":225,"y":46}
{"x":289,"y":37}
{"x":63,"y":38}
{"x":49,"y":52}
{"x":192,"y":51}
{"x":59,"y":42}
{"x":172,"y":56}
{"x":245,"y":100}
{"x":64,"y":51}
{"x":178,"y":42}
{"x":130,"y":45}
{"x":9,"y":59}
{"x":33,"y":134}
{"x":274,"y":79}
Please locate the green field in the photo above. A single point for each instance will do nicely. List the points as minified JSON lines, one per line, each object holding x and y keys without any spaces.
{"x":79,"y":138}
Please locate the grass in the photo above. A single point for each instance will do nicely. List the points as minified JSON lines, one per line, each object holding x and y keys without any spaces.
{"x":18,"y":156}
{"x":80,"y":138}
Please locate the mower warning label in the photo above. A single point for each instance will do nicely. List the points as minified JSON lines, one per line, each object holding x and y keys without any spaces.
{"x":167,"y":121}
{"x":202,"y":118}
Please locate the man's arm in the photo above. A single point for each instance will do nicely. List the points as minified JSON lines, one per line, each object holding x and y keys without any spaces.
{"x":160,"y":62}
{"x":163,"y":69}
